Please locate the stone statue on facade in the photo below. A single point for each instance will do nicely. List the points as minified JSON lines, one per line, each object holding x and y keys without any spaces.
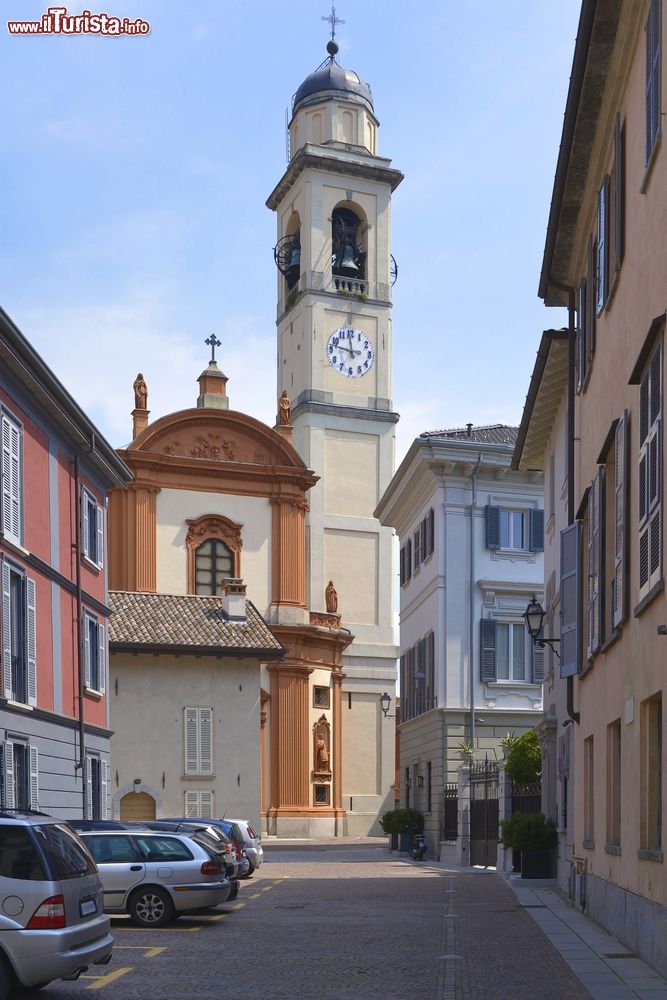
{"x":331,"y":598}
{"x":284,"y":410}
{"x":140,"y":393}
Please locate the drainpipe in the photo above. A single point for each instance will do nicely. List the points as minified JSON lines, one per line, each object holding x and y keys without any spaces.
{"x":471,"y":599}
{"x":81,"y":672}
{"x":571,"y":343}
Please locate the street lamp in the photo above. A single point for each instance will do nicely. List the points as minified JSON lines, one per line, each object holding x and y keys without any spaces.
{"x":385,"y":702}
{"x":534,"y":616}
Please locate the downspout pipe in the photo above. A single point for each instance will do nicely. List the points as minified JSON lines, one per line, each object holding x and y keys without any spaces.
{"x":471,"y":600}
{"x":81,"y":671}
{"x":571,"y":367}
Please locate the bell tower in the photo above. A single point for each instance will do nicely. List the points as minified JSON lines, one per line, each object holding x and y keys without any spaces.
{"x":333,"y":207}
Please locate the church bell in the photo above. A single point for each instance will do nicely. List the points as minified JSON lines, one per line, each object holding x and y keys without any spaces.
{"x":348,"y":266}
{"x":294,"y":268}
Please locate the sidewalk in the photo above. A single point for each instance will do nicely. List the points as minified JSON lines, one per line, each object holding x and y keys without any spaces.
{"x":607,"y":969}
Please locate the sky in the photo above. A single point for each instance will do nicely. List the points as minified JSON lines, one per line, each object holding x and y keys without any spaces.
{"x":134,"y":173}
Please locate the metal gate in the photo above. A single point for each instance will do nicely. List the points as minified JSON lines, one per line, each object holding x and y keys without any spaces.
{"x":484,"y":813}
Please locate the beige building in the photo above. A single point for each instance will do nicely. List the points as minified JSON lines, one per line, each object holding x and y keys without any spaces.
{"x":333,"y":208}
{"x":606,"y":259}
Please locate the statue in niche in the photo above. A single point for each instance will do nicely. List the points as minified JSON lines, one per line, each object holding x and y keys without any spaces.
{"x":140,"y":393}
{"x":284,"y":410}
{"x":321,"y":753}
{"x":322,"y":762}
{"x":331,"y":598}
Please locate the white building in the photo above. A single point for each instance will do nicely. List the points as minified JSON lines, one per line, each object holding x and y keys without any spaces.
{"x":471,"y":542}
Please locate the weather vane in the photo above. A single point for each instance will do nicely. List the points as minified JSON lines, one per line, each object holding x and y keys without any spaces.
{"x":213,"y":342}
{"x":333,"y":21}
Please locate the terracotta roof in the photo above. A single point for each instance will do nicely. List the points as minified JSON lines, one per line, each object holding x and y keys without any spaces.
{"x":187,"y":623}
{"x":490,"y":433}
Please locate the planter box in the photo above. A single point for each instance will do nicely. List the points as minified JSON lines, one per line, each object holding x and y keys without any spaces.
{"x":537,"y":864}
{"x":405,"y":841}
{"x":393,"y":841}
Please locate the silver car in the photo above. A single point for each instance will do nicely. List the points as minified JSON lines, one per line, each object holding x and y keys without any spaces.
{"x":252,"y":843}
{"x":52,"y":924}
{"x":155,"y":876}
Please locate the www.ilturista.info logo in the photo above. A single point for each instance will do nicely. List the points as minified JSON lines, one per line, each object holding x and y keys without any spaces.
{"x":56,"y":21}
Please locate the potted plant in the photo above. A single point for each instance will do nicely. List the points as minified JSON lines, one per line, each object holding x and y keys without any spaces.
{"x":402,"y":823}
{"x":466,"y":751}
{"x":536,"y":837}
{"x":508,"y":742}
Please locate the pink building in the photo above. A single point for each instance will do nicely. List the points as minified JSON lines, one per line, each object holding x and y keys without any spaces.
{"x":55,"y":470}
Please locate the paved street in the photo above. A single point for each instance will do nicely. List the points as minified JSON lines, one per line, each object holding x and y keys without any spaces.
{"x":341,"y":922}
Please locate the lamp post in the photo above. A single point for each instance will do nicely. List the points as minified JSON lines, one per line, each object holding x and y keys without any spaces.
{"x":534,"y":616}
{"x":385,"y":702}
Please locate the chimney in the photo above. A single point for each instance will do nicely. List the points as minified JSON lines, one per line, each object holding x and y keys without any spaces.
{"x":213,"y":388}
{"x":233,"y":600}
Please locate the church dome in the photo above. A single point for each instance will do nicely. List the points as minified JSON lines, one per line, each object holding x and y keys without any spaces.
{"x":331,"y":80}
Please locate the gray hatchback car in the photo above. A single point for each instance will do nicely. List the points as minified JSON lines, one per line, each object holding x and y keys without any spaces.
{"x":52,"y":920}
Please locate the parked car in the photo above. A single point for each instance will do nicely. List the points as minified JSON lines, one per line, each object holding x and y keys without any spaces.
{"x":52,"y":924}
{"x":212,"y":836}
{"x":252,"y":840}
{"x":156,"y":876}
{"x":232,"y":831}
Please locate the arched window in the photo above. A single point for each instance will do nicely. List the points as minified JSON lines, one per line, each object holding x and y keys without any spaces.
{"x":214,"y":553}
{"x":348,"y":259}
{"x":214,"y":562}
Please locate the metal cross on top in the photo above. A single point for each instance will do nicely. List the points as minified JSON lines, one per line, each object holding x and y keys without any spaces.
{"x":213,"y":342}
{"x":333,"y":21}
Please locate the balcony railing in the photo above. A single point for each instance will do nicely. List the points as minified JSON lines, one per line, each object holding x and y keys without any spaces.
{"x":318,"y":281}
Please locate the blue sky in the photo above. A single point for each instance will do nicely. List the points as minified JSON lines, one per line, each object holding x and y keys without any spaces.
{"x":135,"y":172}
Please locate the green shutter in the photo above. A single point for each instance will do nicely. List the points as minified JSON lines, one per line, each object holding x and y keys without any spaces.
{"x":487,"y":657}
{"x":492,"y":527}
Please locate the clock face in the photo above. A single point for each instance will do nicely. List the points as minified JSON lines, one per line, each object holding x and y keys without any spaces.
{"x":350,"y":352}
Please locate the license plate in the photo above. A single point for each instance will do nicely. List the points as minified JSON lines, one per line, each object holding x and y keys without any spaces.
{"x":87,"y":907}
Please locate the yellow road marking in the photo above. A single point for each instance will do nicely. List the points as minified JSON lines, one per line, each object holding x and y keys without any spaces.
{"x":209,"y":920}
{"x":239,"y":906}
{"x":148,"y":952}
{"x":110,"y":977}
{"x":255,"y":895}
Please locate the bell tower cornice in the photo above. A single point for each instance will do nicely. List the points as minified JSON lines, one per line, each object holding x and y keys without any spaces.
{"x":339,"y":158}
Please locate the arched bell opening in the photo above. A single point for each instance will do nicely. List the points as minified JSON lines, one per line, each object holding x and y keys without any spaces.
{"x":287,"y":252}
{"x":348,"y":251}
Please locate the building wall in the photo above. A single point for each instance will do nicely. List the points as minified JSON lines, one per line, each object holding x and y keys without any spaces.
{"x":148,"y":740}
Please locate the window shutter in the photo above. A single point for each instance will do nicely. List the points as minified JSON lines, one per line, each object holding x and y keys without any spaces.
{"x":595,"y":502}
{"x":424,"y":539}
{"x":492,"y":527}
{"x":192,"y":804}
{"x":34,"y":777}
{"x":401,"y":564}
{"x":104,"y":788}
{"x":619,"y":193}
{"x":570,"y":600}
{"x":101,"y":659}
{"x":84,"y":522}
{"x":417,"y":549}
{"x":431,"y":530}
{"x":100,"y":536}
{"x":581,"y":347}
{"x":12,"y":486}
{"x":430,"y":670}
{"x":31,"y":641}
{"x":205,"y":740}
{"x":10,"y":802}
{"x":191,"y":754}
{"x":602,"y":249}
{"x":652,"y":99}
{"x":619,"y":589}
{"x":206,"y":805}
{"x":537,"y":531}
{"x":538,"y":663}
{"x":86,"y":649}
{"x":6,"y":632}
{"x":590,"y":301}
{"x":408,"y":560}
{"x":488,"y":650}
{"x":650,"y":475}
{"x":88,"y":778}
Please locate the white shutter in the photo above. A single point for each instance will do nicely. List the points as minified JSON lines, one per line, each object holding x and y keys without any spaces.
{"x":206,"y":805}
{"x":104,"y":788}
{"x":88,"y":779}
{"x":31,"y":644}
{"x":101,"y":659}
{"x":205,"y":740}
{"x":86,"y":649}
{"x":100,"y":537}
{"x":6,"y":476}
{"x":10,"y":801}
{"x":191,"y":747}
{"x":34,"y":777}
{"x":6,"y":632}
{"x":12,"y":487}
{"x":192,"y":804}
{"x":84,"y":522}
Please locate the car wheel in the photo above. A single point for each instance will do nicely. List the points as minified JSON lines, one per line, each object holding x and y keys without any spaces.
{"x":234,"y":893}
{"x":151,"y":907}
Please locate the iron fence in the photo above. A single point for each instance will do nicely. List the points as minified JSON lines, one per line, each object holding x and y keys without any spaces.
{"x":450,"y":828}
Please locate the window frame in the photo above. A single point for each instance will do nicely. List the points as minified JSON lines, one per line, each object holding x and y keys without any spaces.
{"x":653,"y":80}
{"x":650,"y":472}
{"x":95,"y":665}
{"x":11,"y":477}
{"x":10,"y":798}
{"x":92,"y":529}
{"x":198,"y":743}
{"x":96,"y":794}
{"x":27,"y":642}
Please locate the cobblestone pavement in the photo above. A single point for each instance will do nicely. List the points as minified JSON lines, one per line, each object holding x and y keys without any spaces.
{"x":337,"y":923}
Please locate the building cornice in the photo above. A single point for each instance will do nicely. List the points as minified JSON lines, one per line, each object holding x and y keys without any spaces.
{"x":351,"y":164}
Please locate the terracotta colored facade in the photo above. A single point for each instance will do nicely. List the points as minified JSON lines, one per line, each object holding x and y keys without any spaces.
{"x":213,"y":473}
{"x":56,"y":469}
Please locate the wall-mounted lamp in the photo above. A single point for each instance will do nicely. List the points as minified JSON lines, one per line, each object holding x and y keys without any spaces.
{"x":385,"y":702}
{"x":534,"y":616}
{"x":137,"y":781}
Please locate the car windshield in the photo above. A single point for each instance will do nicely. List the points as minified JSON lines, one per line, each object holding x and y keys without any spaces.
{"x":65,"y":853}
{"x":18,"y":857}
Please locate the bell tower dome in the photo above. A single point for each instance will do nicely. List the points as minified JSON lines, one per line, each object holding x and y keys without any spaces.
{"x":333,"y":253}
